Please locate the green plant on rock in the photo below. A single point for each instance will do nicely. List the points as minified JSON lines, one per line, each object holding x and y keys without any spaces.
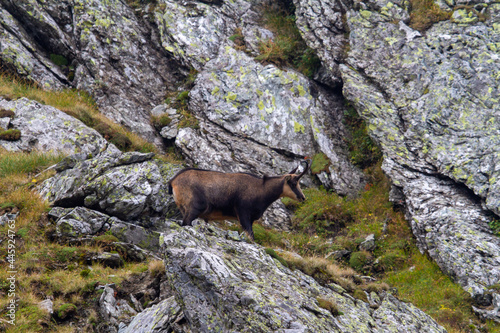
{"x":161,"y":121}
{"x":10,"y":135}
{"x":238,"y":39}
{"x":359,"y":260}
{"x":424,"y":13}
{"x":6,"y":113}
{"x":330,"y":305}
{"x":66,"y":310}
{"x":364,"y":152}
{"x":274,"y":255}
{"x":320,"y":162}
{"x":287,"y":48}
{"x":495,"y":226}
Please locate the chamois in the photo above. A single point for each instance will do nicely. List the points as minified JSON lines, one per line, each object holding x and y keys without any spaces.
{"x":213,"y":195}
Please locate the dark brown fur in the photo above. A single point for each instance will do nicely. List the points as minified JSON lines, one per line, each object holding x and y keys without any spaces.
{"x":214,"y":195}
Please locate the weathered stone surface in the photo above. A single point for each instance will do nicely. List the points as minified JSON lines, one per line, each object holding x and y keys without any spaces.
{"x":264,"y":105}
{"x":321,"y":25}
{"x":431,"y":103}
{"x":114,"y":311}
{"x":128,"y":185}
{"x":45,"y":128}
{"x":195,"y":32}
{"x":236,"y":287}
{"x":79,"y":222}
{"x":156,"y":319}
{"x":103,"y":49}
{"x":107,"y":259}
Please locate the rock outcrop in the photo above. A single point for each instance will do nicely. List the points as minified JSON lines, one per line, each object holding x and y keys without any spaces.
{"x":223,"y":285}
{"x":45,"y":128}
{"x":103,"y":48}
{"x":430,"y":100}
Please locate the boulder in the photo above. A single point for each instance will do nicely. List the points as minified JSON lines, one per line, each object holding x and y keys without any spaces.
{"x":128,"y":186}
{"x":161,"y":317}
{"x":47,"y":129}
{"x":222,"y":285}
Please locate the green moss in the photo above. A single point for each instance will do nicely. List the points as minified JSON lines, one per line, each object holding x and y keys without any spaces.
{"x":58,"y":60}
{"x":10,"y":135}
{"x":274,"y":255}
{"x":320,"y":163}
{"x":161,"y":121}
{"x":359,"y":260}
{"x":104,"y":240}
{"x":6,"y":113}
{"x":363,"y":151}
{"x":360,"y":294}
{"x":66,"y":310}
{"x":424,"y":13}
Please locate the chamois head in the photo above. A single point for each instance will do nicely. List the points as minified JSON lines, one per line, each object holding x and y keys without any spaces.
{"x":291,"y":187}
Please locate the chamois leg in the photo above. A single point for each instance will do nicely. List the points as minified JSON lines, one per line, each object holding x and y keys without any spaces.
{"x":190,"y":216}
{"x":246,"y":222}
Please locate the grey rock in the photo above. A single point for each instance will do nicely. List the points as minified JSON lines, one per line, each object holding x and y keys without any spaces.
{"x":321,"y":25}
{"x":160,"y":317}
{"x":80,"y":221}
{"x":130,"y":252}
{"x":47,"y":305}
{"x":110,"y":53}
{"x":128,"y":185}
{"x":114,"y":310}
{"x":248,"y":291}
{"x":45,"y":128}
{"x":112,"y":260}
{"x":417,"y":94}
{"x":369,"y":243}
{"x":268,"y":107}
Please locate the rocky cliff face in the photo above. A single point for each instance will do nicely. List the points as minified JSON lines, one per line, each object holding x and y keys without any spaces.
{"x":430,"y":100}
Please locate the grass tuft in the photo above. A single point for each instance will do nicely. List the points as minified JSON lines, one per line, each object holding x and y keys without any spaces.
{"x":287,"y":48}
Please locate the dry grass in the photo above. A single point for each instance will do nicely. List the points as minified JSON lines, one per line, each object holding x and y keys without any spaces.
{"x":156,"y":267}
{"x":77,"y":104}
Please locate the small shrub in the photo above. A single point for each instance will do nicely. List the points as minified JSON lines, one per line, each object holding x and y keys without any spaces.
{"x":67,"y":254}
{"x":59,"y":60}
{"x":22,"y":232}
{"x":392,"y":260}
{"x":322,"y":213}
{"x":238,"y":39}
{"x":360,"y":294}
{"x":359,"y":260}
{"x":10,"y":135}
{"x":363,"y":151}
{"x":66,"y":310}
{"x":495,"y":226}
{"x":329,"y":305}
{"x":85,"y":273}
{"x":6,"y":113}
